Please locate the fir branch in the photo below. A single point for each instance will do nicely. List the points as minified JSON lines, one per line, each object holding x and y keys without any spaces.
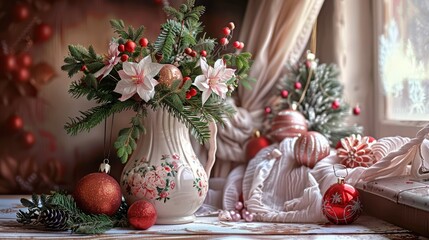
{"x":167,"y":38}
{"x":95,"y":115}
{"x":126,"y":142}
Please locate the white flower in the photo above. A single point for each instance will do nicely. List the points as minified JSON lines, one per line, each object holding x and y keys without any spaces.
{"x":138,"y":78}
{"x":110,"y":60}
{"x":213,"y":79}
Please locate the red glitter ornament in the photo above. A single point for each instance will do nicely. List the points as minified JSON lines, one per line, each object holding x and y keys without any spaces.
{"x":98,"y":193}
{"x":341,"y":203}
{"x":142,"y":214}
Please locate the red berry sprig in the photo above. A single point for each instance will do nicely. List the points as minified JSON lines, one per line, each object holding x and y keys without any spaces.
{"x":224,"y":41}
{"x":297,"y":85}
{"x":284,"y":93}
{"x":121,"y":48}
{"x":203,"y":53}
{"x":124,"y":57}
{"x":226,"y":31}
{"x":191,"y":93}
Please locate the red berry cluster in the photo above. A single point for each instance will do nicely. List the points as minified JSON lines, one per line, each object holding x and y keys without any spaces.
{"x":192,"y":53}
{"x":191,"y":93}
{"x":227,"y":35}
{"x":130,"y":47}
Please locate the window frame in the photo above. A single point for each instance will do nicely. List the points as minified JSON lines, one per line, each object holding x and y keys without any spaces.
{"x":384,"y":127}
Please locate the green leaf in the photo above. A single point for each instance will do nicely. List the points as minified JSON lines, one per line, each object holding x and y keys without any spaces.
{"x":124,"y":158}
{"x":175,"y":84}
{"x":120,"y":152}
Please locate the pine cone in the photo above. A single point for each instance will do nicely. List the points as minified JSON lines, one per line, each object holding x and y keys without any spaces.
{"x":54,"y":219}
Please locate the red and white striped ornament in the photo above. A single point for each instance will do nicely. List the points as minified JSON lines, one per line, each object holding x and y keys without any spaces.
{"x":288,"y":123}
{"x":310,"y":148}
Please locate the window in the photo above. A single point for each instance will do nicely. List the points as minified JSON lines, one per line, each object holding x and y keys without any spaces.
{"x":402,"y":40}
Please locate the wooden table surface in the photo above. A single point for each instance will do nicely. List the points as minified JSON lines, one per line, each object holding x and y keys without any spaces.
{"x":366,"y":227}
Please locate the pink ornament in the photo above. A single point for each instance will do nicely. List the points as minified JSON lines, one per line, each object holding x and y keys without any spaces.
{"x":288,"y":123}
{"x":310,"y":148}
{"x":248,"y":218}
{"x":236,"y":217}
{"x":238,"y":205}
{"x":355,"y":151}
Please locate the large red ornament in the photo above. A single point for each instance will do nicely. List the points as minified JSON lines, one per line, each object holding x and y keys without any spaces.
{"x":255,"y":144}
{"x":98,"y":193}
{"x":341,"y":203}
{"x":142,"y":214}
{"x":288,"y":123}
{"x":310,"y":148}
{"x":42,"y":32}
{"x":21,"y":75}
{"x":25,"y":60}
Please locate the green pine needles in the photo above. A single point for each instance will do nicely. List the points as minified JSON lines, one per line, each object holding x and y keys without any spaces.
{"x":315,"y":99}
{"x":59,"y":212}
{"x":181,"y":42}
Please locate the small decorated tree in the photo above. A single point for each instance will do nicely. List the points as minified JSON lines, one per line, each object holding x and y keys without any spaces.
{"x":316,"y":92}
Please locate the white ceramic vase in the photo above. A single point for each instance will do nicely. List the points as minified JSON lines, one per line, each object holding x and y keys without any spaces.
{"x":165,"y":170}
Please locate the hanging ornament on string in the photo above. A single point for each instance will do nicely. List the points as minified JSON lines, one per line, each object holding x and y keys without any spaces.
{"x":99,"y":193}
{"x":341,"y":203}
{"x":255,"y":144}
{"x":288,"y":123}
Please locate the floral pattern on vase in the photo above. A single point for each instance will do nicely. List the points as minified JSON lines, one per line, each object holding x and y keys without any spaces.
{"x":152,"y":182}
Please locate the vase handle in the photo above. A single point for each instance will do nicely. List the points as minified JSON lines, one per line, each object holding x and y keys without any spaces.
{"x":212,"y":148}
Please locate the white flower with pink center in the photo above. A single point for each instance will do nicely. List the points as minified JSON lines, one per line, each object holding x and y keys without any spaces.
{"x":110,"y":60}
{"x":138,"y":78}
{"x":213,"y":79}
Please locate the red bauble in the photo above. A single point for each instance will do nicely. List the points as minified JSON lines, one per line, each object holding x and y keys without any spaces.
{"x":142,"y":214}
{"x":98,"y":193}
{"x":25,"y":60}
{"x":310,"y":148}
{"x":143,"y":42}
{"x":42,"y":32}
{"x":297,"y":85}
{"x":8,"y":63}
{"x":288,"y":123}
{"x":341,"y":203}
{"x":284,"y":93}
{"x":255,"y":144}
{"x":356,"y":110}
{"x":130,"y":46}
{"x":335,"y":104}
{"x":14,"y":123}
{"x":28,"y":139}
{"x":21,"y":75}
{"x":20,"y":12}
{"x":267,"y":110}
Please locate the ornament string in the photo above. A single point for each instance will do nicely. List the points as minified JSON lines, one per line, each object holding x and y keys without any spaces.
{"x":105,"y":167}
{"x":313,"y":48}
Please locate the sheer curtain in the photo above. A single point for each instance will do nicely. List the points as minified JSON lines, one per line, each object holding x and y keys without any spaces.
{"x":275,"y":32}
